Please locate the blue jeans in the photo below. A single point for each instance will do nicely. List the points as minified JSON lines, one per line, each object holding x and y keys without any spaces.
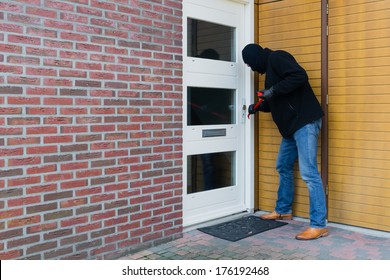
{"x":302,"y":145}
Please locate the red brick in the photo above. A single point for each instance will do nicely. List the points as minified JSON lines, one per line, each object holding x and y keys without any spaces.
{"x":11,"y":152}
{"x":73,"y":55}
{"x":40,"y":91}
{"x":141,"y":215}
{"x":74,"y":221}
{"x":57,"y":139}
{"x":73,"y":111}
{"x":41,"y":227}
{"x":89,"y":227}
{"x":103,"y":197}
{"x":48,"y":149}
{"x":12,"y":254}
{"x":24,"y":221}
{"x":74,"y":166}
{"x":152,"y":236}
{"x":24,"y":80}
{"x":23,"y":121}
{"x":88,"y":173}
{"x":57,"y":101}
{"x":8,"y":48}
{"x":42,"y":32}
{"x":151,"y":205}
{"x":42,"y":188}
{"x":140,"y":232}
{"x":10,"y":111}
{"x":41,"y":247}
{"x":24,"y":39}
{"x":24,"y":161}
{"x":131,"y":193}
{"x":59,"y":5}
{"x":41,"y":169}
{"x":116,"y":187}
{"x":11,"y":213}
{"x":58,"y":24}
{"x":151,"y":221}
{"x":117,"y":237}
{"x":116,"y":221}
{"x":73,"y":202}
{"x":38,"y":11}
{"x":116,"y":170}
{"x":41,"y":111}
{"x":11,"y":69}
{"x":177,"y":229}
{"x":58,"y":82}
{"x":74,"y":184}
{"x":173,"y":216}
{"x":23,"y":241}
{"x":25,"y":181}
{"x":74,"y":17}
{"x":58,"y":177}
{"x":164,"y":210}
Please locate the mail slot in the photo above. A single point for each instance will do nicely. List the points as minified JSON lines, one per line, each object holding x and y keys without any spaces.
{"x":214,"y":132}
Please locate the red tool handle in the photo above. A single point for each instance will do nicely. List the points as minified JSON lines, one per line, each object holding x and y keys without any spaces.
{"x":261,"y":99}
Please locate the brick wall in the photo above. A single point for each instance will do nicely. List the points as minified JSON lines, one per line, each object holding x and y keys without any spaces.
{"x":91,"y":127}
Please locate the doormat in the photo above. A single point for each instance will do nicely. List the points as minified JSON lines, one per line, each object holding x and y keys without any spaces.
{"x":241,"y":228}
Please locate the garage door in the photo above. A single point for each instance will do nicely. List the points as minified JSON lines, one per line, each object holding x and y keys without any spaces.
{"x":359,"y":113}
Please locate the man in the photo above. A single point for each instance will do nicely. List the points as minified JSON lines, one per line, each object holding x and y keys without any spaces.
{"x":297,"y":113}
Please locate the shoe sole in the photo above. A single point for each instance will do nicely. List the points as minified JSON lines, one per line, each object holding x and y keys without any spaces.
{"x":321,"y":235}
{"x":280,"y":218}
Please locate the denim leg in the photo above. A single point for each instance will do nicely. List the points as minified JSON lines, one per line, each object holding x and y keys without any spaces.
{"x":287,"y":155}
{"x":307,"y":142}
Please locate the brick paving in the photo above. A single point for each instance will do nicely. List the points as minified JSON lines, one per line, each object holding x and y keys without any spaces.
{"x":275,"y":244}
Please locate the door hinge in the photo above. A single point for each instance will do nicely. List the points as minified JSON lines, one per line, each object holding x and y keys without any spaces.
{"x":327,"y":189}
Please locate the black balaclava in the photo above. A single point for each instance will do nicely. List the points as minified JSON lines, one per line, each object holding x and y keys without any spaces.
{"x":256,"y":57}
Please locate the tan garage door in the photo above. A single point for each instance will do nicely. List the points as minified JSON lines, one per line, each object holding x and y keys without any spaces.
{"x":294,"y":26}
{"x":359,"y":113}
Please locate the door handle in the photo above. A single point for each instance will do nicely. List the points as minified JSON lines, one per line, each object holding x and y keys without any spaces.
{"x":243,"y":111}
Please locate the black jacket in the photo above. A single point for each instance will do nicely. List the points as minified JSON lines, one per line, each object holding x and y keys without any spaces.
{"x":293,"y":104}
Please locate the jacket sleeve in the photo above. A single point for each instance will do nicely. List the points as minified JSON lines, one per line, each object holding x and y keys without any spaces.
{"x":264,"y":107}
{"x":291,"y":74}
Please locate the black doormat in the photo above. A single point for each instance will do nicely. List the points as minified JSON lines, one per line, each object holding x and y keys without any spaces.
{"x":241,"y":228}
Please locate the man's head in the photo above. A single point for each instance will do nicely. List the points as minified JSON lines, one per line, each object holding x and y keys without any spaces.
{"x":255,"y":57}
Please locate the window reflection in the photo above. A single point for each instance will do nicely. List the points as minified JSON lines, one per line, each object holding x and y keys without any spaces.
{"x":203,"y":36}
{"x":210,"y":171}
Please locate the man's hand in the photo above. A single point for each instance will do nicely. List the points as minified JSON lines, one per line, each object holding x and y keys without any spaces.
{"x":266,"y":93}
{"x":252,"y":109}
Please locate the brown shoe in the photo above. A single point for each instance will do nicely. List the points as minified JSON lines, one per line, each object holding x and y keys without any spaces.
{"x":276,"y":216}
{"x":312,"y":233}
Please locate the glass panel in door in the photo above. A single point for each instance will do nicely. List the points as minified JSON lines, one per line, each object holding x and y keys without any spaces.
{"x":210,"y":106}
{"x":209,"y":40}
{"x":210,"y":171}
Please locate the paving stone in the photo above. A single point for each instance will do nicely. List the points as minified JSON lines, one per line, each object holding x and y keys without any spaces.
{"x":276,"y":244}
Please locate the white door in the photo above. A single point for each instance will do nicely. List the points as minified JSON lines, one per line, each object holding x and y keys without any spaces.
{"x":214,"y":110}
